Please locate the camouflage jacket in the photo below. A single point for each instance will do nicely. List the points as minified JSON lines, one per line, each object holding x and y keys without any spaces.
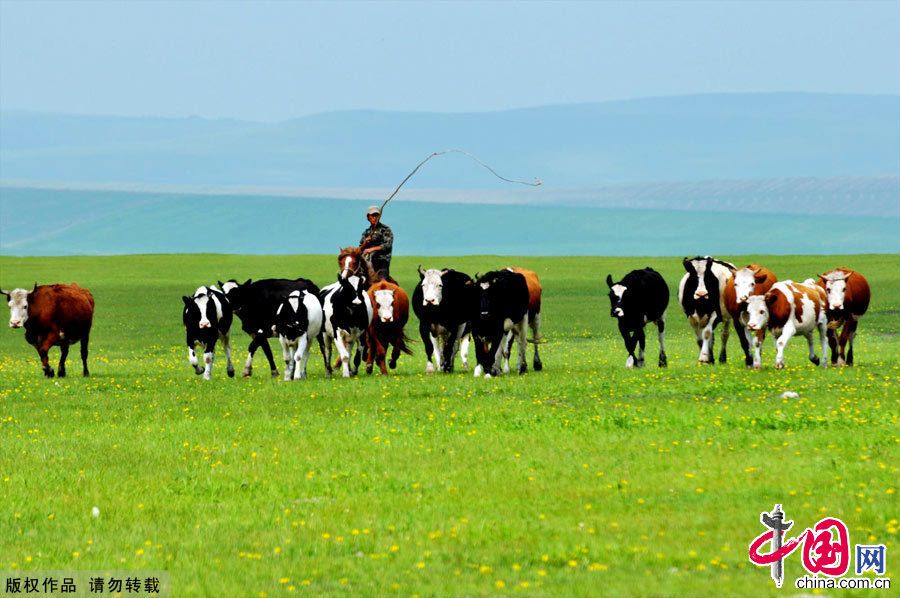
{"x":380,"y":234}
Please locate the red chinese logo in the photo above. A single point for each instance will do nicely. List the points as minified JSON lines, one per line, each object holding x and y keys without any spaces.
{"x":826,"y":546}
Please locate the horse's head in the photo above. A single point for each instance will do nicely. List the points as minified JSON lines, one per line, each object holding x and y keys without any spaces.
{"x":350,"y":261}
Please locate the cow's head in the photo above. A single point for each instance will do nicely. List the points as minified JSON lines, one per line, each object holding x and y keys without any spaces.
{"x":745,"y":281}
{"x":291,"y":319}
{"x":432,"y":286}
{"x":199,"y":309}
{"x":235,"y":293}
{"x":835,"y":288}
{"x":384,"y":303}
{"x":18,"y":306}
{"x":616,"y":297}
{"x":700,"y":268}
{"x":758,"y":310}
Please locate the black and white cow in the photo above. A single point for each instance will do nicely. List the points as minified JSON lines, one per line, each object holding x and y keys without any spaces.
{"x":641,"y":297}
{"x":207,"y":318}
{"x":347,"y":315}
{"x":502,"y":317}
{"x":701,"y":295}
{"x":256,"y":304}
{"x":297,"y":322}
{"x":445,"y":302}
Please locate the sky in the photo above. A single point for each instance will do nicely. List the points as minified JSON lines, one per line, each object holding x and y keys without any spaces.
{"x":273,"y":61}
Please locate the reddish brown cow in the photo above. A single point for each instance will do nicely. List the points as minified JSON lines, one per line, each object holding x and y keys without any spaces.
{"x":56,"y":314}
{"x":848,"y":299}
{"x":745,"y":283}
{"x":534,"y":312}
{"x":391,"y":306}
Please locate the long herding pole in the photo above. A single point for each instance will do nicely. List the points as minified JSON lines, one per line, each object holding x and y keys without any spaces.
{"x":536,"y":183}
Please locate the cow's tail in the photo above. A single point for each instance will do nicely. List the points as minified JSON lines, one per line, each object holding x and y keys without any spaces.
{"x":403,"y":343}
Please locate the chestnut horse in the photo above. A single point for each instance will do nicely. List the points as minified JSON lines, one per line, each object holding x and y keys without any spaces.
{"x":391,"y":306}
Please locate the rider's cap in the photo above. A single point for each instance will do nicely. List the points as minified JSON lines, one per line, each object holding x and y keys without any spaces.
{"x":373,"y":210}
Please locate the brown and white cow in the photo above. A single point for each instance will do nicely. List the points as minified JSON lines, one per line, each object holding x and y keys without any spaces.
{"x":55,"y":314}
{"x":848,"y":299}
{"x":534,"y":312}
{"x":391,"y":306}
{"x":746,"y":282}
{"x":789,"y":308}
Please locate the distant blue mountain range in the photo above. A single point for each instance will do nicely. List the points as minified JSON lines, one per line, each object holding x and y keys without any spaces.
{"x":673,"y":139}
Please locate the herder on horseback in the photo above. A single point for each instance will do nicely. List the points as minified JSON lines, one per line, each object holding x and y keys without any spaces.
{"x":377,"y":243}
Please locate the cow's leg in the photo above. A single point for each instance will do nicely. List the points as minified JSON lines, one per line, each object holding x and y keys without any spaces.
{"x":850,"y":338}
{"x":641,"y":341}
{"x":264,"y":343}
{"x":226,"y":345}
{"x":630,"y":339}
{"x":379,"y":351}
{"x":506,"y":350}
{"x":464,"y":347}
{"x":43,"y":348}
{"x":496,"y":353}
{"x":301,"y":357}
{"x":823,"y":340}
{"x":395,"y":354}
{"x":288,"y":356}
{"x":521,"y":336}
{"x":846,"y":332}
{"x":208,"y":355}
{"x":84,"y":355}
{"x":63,"y":353}
{"x":708,"y":340}
{"x":833,"y":344}
{"x":343,"y":352}
{"x":812,"y":349}
{"x":438,"y":342}
{"x":755,"y":339}
{"x":726,"y":330}
{"x":192,"y":359}
{"x":744,"y":337}
{"x":370,"y":352}
{"x":535,"y":324}
{"x":251,"y":349}
{"x":325,"y":344}
{"x":450,"y":345}
{"x":357,"y":357}
{"x":661,"y":327}
{"x":428,"y":344}
{"x":781,"y":343}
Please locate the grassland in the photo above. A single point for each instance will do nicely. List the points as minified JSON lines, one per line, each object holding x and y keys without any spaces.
{"x":584,"y":479}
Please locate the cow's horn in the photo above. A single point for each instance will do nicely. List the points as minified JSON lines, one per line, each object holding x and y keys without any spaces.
{"x":421,"y":272}
{"x":609,"y":280}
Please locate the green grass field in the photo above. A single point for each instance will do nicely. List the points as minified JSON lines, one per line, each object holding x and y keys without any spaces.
{"x":584,"y":479}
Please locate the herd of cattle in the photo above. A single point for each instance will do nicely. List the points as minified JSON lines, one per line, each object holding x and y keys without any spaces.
{"x":364,"y":312}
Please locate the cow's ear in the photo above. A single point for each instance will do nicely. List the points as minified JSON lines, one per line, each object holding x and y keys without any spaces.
{"x":2,"y":292}
{"x":760,"y":278}
{"x":444,"y":271}
{"x":688,"y":266}
{"x":186,"y":299}
{"x":771,"y":298}
{"x":221,"y":284}
{"x":246,"y":282}
{"x":609,"y":280}
{"x":35,"y":287}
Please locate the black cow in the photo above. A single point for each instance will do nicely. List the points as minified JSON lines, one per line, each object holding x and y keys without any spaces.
{"x":348,"y":313}
{"x":641,"y":297}
{"x":207,"y":318}
{"x":256,"y":304}
{"x":445,"y":302}
{"x":701,"y":294}
{"x":502,"y":317}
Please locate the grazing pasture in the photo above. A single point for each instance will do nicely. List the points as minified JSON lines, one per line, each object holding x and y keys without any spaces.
{"x":582,"y":479}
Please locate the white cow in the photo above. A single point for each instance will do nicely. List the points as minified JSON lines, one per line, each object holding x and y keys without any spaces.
{"x":298,"y":321}
{"x":701,"y":295}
